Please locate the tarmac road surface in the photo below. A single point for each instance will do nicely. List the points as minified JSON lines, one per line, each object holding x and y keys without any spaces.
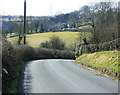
{"x":64,"y":76}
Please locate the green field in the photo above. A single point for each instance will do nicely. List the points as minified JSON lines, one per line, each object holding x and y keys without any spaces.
{"x":106,"y":62}
{"x":12,"y":34}
{"x":85,"y":27}
{"x":34,"y":40}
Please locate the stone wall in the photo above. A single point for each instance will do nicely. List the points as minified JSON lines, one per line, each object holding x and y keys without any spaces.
{"x":91,"y":48}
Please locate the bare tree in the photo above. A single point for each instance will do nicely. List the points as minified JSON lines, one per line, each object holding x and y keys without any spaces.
{"x":20,"y":31}
{"x":105,"y":24}
{"x":104,"y":21}
{"x":36,"y":23}
{"x":31,"y":25}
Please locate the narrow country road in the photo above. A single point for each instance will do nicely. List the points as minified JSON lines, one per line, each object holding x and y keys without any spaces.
{"x":64,"y":76}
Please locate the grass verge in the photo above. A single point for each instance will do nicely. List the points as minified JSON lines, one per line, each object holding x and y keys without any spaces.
{"x":15,"y":82}
{"x":105,"y":62}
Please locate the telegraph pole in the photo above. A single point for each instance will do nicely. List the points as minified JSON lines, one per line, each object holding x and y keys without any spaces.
{"x":24,"y":21}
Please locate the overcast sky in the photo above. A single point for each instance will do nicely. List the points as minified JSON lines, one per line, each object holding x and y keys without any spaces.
{"x":43,"y":7}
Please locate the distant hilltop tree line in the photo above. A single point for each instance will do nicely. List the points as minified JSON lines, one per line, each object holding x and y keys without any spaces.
{"x":101,"y":17}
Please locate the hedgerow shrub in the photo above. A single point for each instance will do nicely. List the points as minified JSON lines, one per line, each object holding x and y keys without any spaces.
{"x":54,"y":43}
{"x":44,"y":53}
